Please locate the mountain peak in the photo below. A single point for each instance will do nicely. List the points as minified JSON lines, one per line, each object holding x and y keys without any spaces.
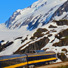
{"x":42,"y":11}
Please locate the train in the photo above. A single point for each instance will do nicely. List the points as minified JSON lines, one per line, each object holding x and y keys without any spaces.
{"x":27,"y":60}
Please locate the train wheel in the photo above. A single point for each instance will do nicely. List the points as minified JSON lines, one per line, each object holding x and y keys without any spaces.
{"x":25,"y":67}
{"x":50,"y":62}
{"x":32,"y":66}
{"x":47,"y":63}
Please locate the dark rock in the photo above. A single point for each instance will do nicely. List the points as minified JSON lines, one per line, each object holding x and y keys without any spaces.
{"x":23,"y":40}
{"x":61,"y":22}
{"x":62,"y":42}
{"x":18,"y":38}
{"x":45,"y":49}
{"x":5,"y":45}
{"x":49,"y":35}
{"x":64,"y":33}
{"x":38,"y":33}
{"x":62,"y":56}
{"x":53,"y":30}
{"x":51,"y":26}
{"x":52,"y":40}
{"x":64,"y":49}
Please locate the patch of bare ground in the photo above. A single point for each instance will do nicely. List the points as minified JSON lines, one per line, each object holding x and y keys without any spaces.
{"x":55,"y":65}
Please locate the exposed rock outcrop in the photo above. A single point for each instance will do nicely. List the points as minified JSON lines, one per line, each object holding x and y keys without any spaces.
{"x":61,"y":22}
{"x":51,"y":26}
{"x":38,"y":33}
{"x":34,"y":46}
{"x":61,"y":34}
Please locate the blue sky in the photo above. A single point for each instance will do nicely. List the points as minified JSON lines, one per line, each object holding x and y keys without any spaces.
{"x":7,"y":7}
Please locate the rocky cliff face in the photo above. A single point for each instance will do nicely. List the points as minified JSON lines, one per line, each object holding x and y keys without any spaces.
{"x":33,"y":46}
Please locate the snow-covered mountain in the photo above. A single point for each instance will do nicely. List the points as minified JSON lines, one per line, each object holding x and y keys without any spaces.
{"x":43,"y":25}
{"x":40,"y":12}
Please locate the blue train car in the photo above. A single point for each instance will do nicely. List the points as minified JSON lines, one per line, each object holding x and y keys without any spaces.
{"x":13,"y":61}
{"x":26,"y":60}
{"x":41,"y":58}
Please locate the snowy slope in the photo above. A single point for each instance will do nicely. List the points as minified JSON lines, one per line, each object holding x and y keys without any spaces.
{"x":17,"y":43}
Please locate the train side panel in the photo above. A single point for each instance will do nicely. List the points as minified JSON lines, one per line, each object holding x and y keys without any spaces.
{"x":13,"y":62}
{"x":25,"y":60}
{"x":41,"y":59}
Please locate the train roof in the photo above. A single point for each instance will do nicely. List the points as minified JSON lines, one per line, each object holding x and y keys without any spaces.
{"x":35,"y":51}
{"x":25,"y":55}
{"x":38,"y":51}
{"x":41,"y":53}
{"x":12,"y":56}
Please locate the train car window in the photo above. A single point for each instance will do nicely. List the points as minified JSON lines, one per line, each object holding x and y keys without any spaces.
{"x":34,"y":58}
{"x":54,"y":55}
{"x":12,"y":62}
{"x":4,"y":63}
{"x":21,"y":60}
{"x":46,"y":56}
{"x":30,"y":58}
{"x":39,"y":57}
{"x":50,"y":56}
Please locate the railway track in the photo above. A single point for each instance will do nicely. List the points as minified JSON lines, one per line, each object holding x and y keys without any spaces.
{"x":54,"y":65}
